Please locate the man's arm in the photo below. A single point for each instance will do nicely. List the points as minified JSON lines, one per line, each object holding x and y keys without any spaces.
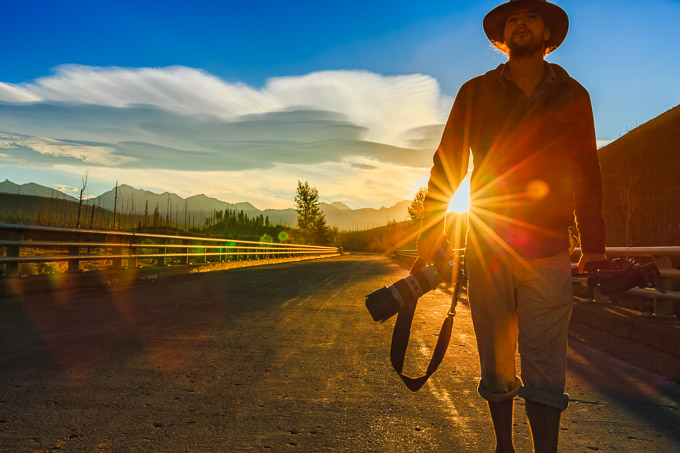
{"x":449,"y":169}
{"x":588,"y":193}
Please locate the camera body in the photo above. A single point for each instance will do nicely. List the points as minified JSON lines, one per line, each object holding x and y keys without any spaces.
{"x":389,"y":300}
{"x":619,"y":275}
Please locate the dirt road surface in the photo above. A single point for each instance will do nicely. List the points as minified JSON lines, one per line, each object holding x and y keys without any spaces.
{"x":283,"y":358}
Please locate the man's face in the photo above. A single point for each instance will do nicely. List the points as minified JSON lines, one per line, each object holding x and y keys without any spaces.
{"x":525,"y":32}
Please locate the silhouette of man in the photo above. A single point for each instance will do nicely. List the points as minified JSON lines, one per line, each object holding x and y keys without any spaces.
{"x":529,"y":128}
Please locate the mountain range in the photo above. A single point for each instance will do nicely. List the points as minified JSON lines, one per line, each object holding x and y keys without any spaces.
{"x":34,"y":189}
{"x":132,"y":200}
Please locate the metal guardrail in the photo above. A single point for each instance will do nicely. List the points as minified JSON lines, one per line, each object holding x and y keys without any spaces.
{"x":119,"y":247}
{"x":664,"y":296}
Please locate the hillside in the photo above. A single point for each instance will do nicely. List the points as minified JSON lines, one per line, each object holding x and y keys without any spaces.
{"x":641,"y":183}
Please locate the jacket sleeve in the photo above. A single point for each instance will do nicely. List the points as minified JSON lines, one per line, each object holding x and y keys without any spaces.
{"x":450,"y":162}
{"x":588,"y":190}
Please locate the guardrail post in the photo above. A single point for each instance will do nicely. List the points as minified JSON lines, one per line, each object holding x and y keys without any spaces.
{"x":117,"y":263}
{"x":13,"y":251}
{"x":184,"y":259}
{"x":160,"y":261}
{"x":132,"y":262}
{"x":664,"y":307}
{"x":205,"y":252}
{"x":598,"y":297}
{"x":73,"y":265}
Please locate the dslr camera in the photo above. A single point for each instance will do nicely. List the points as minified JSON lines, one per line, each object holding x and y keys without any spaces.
{"x":619,"y":275}
{"x":389,"y":300}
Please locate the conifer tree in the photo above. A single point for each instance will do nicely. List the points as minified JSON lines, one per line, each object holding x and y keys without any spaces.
{"x":311,"y":221}
{"x":415,"y":210}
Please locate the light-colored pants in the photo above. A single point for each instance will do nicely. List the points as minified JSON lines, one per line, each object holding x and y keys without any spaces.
{"x":525,"y":302}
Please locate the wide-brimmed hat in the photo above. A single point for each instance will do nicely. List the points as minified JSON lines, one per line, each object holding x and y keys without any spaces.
{"x":553,"y":16}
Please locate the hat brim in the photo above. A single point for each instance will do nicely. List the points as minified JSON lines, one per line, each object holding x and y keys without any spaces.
{"x":553,"y":16}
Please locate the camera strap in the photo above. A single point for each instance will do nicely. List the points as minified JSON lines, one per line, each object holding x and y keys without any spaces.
{"x":402,"y":333}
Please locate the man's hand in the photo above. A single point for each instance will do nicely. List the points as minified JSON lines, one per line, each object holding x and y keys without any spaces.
{"x":587,"y":257}
{"x":428,"y":243}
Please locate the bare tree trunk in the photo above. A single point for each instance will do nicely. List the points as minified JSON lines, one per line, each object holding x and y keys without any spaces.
{"x":80,"y":199}
{"x":92,"y":216}
{"x":115,"y":205}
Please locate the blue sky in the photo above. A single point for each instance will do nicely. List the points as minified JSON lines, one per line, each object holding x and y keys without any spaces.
{"x":239,"y":100}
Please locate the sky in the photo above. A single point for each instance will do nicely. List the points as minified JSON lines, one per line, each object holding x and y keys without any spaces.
{"x":240,"y":100}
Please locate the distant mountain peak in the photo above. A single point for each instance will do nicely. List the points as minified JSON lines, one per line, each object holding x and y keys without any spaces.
{"x":341,"y":206}
{"x":32,"y":188}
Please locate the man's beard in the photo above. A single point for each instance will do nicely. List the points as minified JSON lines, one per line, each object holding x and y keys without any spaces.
{"x":525,"y":50}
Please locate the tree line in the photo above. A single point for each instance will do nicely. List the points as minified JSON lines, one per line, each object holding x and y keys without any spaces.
{"x":57,"y":212}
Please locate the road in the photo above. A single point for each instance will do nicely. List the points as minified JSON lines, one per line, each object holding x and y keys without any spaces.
{"x":282,"y":358}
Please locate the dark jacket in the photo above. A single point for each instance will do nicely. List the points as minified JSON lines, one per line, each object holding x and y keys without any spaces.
{"x":535,"y":164}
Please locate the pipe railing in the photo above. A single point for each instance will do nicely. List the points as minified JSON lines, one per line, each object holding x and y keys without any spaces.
{"x":118,"y":246}
{"x":664,"y":295}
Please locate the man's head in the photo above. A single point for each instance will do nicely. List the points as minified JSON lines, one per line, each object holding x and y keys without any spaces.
{"x":521,"y":27}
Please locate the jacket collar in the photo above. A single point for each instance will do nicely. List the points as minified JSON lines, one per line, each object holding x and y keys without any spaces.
{"x":549,"y":78}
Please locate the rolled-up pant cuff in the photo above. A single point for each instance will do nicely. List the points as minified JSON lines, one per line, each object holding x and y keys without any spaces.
{"x":498,"y":397}
{"x":542,"y":397}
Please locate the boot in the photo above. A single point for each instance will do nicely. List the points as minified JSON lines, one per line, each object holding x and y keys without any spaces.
{"x":501,"y":415}
{"x":545,"y":426}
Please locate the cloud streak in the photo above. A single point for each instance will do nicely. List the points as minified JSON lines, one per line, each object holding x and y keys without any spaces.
{"x":383,"y":106}
{"x":27,"y":149}
{"x":334,"y":128}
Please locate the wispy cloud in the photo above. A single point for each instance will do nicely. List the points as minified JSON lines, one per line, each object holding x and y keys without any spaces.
{"x":13,"y":93}
{"x":385,"y":107}
{"x":29,"y":148}
{"x":350,"y":132}
{"x":179,"y":89}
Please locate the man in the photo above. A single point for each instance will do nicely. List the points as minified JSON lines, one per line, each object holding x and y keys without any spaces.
{"x":529,"y":128}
